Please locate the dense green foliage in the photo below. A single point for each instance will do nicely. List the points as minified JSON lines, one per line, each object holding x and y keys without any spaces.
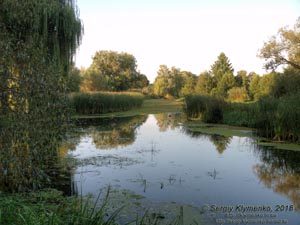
{"x":113,"y":71}
{"x":173,"y":82}
{"x":37,"y":42}
{"x":104,"y":102}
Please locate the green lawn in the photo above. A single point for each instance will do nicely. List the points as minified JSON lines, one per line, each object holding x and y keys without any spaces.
{"x":150,"y":106}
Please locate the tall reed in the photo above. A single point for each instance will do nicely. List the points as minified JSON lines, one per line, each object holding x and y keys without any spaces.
{"x":207,"y":108}
{"x":104,"y":102}
{"x":274,"y":118}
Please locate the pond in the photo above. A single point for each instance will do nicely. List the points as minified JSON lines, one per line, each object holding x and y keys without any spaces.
{"x":152,"y":162}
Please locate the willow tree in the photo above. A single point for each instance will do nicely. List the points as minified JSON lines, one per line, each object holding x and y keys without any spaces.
{"x":37,"y":42}
{"x":50,"y":30}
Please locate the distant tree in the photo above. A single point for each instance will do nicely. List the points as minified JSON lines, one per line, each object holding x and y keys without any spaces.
{"x":141,"y":81}
{"x":254,"y":90}
{"x":205,"y":83}
{"x":175,"y":82}
{"x":93,"y":81}
{"x":238,"y":94}
{"x":117,"y":69}
{"x":262,"y":86}
{"x":74,"y":80}
{"x":266,"y":84}
{"x":221,"y":67}
{"x":222,"y":72}
{"x":189,"y":83}
{"x":241,"y":79}
{"x":168,"y":82}
{"x":283,"y":49}
{"x":161,"y":83}
{"x":225,"y":84}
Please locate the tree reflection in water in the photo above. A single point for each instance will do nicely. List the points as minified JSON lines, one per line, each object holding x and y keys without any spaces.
{"x":30,"y":157}
{"x":219,"y":141}
{"x":167,"y":121}
{"x":110,"y":133}
{"x":280,"y":171}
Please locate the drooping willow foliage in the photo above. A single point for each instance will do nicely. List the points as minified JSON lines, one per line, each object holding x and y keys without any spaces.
{"x":38,"y":39}
{"x":48,"y":24}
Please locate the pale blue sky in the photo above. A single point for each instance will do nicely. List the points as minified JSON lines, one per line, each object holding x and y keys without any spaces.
{"x":187,"y":34}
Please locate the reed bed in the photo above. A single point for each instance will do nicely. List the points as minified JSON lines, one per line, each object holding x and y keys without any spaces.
{"x":207,"y":108}
{"x":274,"y":118}
{"x":105,"y":102}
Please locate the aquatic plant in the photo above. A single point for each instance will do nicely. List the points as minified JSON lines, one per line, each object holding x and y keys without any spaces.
{"x":207,"y":108}
{"x":105,"y":102}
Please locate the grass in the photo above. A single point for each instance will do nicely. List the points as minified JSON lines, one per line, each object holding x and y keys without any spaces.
{"x":50,"y":207}
{"x":221,"y":129}
{"x":149,"y":106}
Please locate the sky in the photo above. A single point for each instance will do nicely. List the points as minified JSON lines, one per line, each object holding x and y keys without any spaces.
{"x":187,"y":34}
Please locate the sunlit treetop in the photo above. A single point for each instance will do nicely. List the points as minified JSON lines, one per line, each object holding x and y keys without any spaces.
{"x":283,"y":48}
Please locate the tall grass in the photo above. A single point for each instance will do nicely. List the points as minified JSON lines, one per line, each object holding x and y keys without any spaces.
{"x":274,"y":118}
{"x":105,"y":102}
{"x":207,"y":108}
{"x":49,"y":207}
{"x":240,"y":114}
{"x":279,"y":119}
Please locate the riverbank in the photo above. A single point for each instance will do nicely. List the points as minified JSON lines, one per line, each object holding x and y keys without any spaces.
{"x":149,"y":106}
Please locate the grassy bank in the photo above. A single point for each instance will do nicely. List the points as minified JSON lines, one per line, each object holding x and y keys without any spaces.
{"x":104,"y":102}
{"x":149,"y":106}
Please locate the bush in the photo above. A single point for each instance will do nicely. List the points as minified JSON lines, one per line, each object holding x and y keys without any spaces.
{"x":104,"y":102}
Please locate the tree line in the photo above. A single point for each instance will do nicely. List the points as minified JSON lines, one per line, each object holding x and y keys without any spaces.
{"x":113,"y":71}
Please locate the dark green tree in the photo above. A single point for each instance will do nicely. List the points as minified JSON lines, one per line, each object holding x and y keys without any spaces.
{"x":221,"y":67}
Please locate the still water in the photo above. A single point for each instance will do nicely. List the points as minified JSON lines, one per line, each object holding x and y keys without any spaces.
{"x":154,"y":162}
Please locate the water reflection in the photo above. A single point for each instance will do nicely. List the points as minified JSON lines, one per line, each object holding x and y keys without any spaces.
{"x":279,"y":170}
{"x":221,"y":142}
{"x":167,"y":121}
{"x":111,"y":133}
{"x":30,"y":158}
{"x":160,"y":161}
